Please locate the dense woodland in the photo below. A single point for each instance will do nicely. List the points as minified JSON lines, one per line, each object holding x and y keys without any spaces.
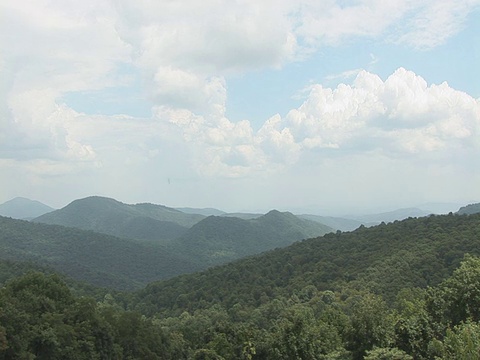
{"x":404,"y":290}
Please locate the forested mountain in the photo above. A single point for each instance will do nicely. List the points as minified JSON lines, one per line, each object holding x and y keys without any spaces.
{"x":469,"y":209}
{"x":23,"y":208}
{"x":399,"y":291}
{"x":99,"y":259}
{"x":109,"y":216}
{"x":383,"y":259}
{"x":219,"y":239}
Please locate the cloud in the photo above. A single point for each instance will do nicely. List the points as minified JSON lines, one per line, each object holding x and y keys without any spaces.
{"x":212,"y":36}
{"x":424,"y":24}
{"x":433,"y":22}
{"x":184,"y":52}
{"x":399,"y":117}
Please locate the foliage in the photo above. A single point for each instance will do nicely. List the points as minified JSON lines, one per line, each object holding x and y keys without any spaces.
{"x":99,"y":259}
{"x":345,"y":296}
{"x":385,"y":259}
{"x":109,"y":216}
{"x":218,"y":239}
{"x":387,"y":354}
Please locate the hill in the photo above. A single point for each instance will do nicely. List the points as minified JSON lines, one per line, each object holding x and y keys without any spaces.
{"x":219,"y":239}
{"x":98,"y":259}
{"x":383,"y":259}
{"x":469,"y":209}
{"x":23,"y":208}
{"x":404,"y":290}
{"x":109,"y":216}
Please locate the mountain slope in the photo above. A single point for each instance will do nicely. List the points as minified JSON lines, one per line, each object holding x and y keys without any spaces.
{"x":469,"y":209}
{"x":99,"y":259}
{"x":383,"y":259}
{"x":109,"y":216}
{"x":23,"y":208}
{"x":219,"y":239}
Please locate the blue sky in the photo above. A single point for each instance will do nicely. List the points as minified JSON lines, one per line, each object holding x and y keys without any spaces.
{"x":326,"y":106}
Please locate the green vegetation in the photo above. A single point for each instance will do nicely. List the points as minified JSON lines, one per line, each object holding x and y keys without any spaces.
{"x":383,"y":260}
{"x":99,"y":259}
{"x":216,"y":240}
{"x":405,"y":290}
{"x":40,"y":318}
{"x":109,"y":216}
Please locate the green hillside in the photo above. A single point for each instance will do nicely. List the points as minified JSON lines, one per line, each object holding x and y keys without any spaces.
{"x":400,"y":291}
{"x":99,"y":259}
{"x":384,"y":259}
{"x":109,"y":216}
{"x":220,"y":239}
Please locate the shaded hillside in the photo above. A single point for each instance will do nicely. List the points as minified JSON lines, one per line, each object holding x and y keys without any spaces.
{"x":99,"y":259}
{"x":469,"y":209}
{"x":109,"y":216}
{"x":23,"y":208}
{"x":382,"y":259}
{"x":219,"y":239}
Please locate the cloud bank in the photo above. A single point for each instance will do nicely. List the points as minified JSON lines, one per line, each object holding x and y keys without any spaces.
{"x":183,"y":52}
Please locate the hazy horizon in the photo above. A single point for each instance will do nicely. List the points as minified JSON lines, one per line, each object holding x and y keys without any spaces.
{"x":339,"y":106}
{"x":435,"y":208}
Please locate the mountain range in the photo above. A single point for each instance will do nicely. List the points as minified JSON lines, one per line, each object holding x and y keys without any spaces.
{"x":136,"y":244}
{"x":399,"y":290}
{"x":109,"y":216}
{"x":112,"y":244}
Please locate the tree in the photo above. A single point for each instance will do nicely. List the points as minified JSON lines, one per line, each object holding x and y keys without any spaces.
{"x":462,"y":343}
{"x":387,"y":354}
{"x":371,"y":325}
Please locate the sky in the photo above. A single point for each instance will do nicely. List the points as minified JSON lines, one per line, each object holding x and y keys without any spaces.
{"x":317,"y":106}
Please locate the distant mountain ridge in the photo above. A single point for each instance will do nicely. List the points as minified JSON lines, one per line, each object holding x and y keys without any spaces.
{"x":109,"y":216}
{"x":220,"y":239}
{"x":389,"y":216}
{"x":212,"y":240}
{"x":336,"y":223}
{"x":201,"y":211}
{"x":23,"y":208}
